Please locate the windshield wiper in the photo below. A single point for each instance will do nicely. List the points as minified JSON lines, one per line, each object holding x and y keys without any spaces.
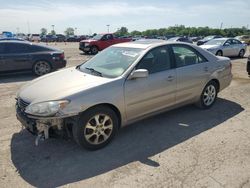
{"x":94,"y":71}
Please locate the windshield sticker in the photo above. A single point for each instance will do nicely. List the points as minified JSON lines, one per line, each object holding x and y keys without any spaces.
{"x":129,"y":53}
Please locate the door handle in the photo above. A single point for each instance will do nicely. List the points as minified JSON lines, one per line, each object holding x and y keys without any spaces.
{"x":170,"y":78}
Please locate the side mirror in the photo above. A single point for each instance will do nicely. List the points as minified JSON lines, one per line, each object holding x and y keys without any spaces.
{"x":227,"y":44}
{"x":140,"y":73}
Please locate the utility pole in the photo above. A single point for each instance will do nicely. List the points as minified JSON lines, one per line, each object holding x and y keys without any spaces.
{"x":53,"y":27}
{"x":28,"y":25}
{"x":75,"y":30}
{"x":221,"y":25}
{"x":108,"y":27}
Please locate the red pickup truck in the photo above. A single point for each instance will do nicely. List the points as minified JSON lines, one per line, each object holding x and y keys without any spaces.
{"x":100,"y":42}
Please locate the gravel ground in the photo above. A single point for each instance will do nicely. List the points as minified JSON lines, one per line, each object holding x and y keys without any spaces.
{"x":186,"y":147}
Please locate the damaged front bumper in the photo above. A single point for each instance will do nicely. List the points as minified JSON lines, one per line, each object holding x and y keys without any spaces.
{"x":41,"y":126}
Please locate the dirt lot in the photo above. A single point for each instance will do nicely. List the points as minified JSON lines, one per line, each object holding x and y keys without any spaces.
{"x":186,"y":147}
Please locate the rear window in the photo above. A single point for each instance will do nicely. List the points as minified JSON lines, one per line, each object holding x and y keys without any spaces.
{"x":37,"y":48}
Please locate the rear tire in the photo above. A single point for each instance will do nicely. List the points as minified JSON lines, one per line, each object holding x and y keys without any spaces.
{"x":241,"y":53}
{"x":96,"y":127}
{"x":41,"y":67}
{"x":208,"y":95}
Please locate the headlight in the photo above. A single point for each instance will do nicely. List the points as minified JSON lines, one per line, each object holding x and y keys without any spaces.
{"x":46,"y":108}
{"x":86,"y":44}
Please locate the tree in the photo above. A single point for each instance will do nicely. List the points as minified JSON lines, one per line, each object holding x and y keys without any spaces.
{"x":43,"y":31}
{"x":69,"y":31}
{"x":134,"y":33}
{"x":122,"y":31}
{"x":52,"y":32}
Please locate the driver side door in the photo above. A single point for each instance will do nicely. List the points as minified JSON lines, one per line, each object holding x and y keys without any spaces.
{"x":155,"y":92}
{"x":228,"y":48}
{"x":107,"y":40}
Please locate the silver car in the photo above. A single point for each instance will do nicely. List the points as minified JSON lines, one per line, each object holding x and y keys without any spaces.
{"x":122,"y":84}
{"x":228,"y":47}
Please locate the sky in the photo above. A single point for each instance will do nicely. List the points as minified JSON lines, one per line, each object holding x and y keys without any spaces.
{"x":93,"y":16}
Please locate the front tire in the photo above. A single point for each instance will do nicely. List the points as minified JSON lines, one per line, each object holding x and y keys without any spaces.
{"x":208,"y":95}
{"x":219,"y":53}
{"x":241,"y":53}
{"x":94,"y":50}
{"x":41,"y":67}
{"x":96,"y":128}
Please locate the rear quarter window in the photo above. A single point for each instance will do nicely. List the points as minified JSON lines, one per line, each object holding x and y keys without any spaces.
{"x":34,"y":48}
{"x":185,"y":55}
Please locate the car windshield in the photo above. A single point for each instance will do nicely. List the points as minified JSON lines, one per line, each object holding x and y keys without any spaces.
{"x":173,"y":39}
{"x":215,"y":42}
{"x":97,"y":37}
{"x":112,"y":62}
{"x":208,"y":37}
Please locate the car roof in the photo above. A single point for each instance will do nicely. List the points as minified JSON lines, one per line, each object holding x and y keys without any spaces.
{"x":15,"y":41}
{"x":30,"y":43}
{"x":222,"y":38}
{"x":143,"y":43}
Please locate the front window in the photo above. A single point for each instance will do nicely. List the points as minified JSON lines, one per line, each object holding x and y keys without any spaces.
{"x":97,"y":37}
{"x":215,"y":42}
{"x":112,"y":62}
{"x":156,"y":60}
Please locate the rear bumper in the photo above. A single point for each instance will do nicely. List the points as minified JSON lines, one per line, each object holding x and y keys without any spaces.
{"x":59,"y":64}
{"x":248,"y":66}
{"x":225,"y":81}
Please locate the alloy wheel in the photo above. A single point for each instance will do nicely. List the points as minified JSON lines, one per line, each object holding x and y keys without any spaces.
{"x":41,"y":68}
{"x":98,"y":129}
{"x":209,"y":95}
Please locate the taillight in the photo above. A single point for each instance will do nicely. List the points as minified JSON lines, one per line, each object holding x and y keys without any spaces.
{"x":62,"y":56}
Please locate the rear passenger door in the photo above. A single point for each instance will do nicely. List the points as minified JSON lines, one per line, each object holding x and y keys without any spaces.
{"x":16,"y":57}
{"x":192,"y":71}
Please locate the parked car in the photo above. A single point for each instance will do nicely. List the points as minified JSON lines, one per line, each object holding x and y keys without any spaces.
{"x":248,"y":65}
{"x":195,"y":39}
{"x":123,"y":84}
{"x":226,"y":47}
{"x":71,"y":38}
{"x":180,"y":39}
{"x":60,"y":38}
{"x":49,"y":38}
{"x":100,"y":42}
{"x":244,"y":39}
{"x":21,"y":36}
{"x":7,"y":34}
{"x":34,"y":37}
{"x":208,"y":38}
{"x":23,"y":56}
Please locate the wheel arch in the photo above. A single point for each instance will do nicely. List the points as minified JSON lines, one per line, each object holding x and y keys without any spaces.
{"x":217,"y":82}
{"x":111,"y":106}
{"x":42,"y":59}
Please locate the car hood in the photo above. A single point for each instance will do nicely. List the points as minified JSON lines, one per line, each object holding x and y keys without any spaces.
{"x":58,"y":85}
{"x":89,"y":40}
{"x":206,"y":46}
